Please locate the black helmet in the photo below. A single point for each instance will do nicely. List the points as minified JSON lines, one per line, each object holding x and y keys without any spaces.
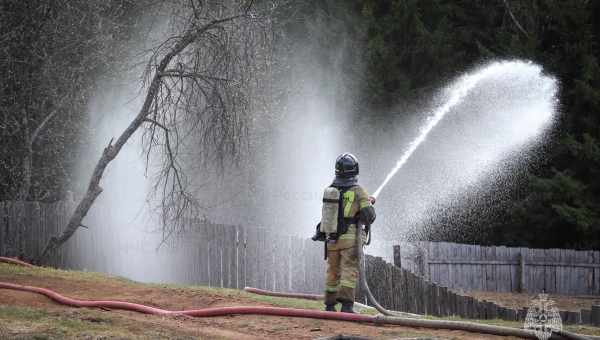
{"x":346,"y":166}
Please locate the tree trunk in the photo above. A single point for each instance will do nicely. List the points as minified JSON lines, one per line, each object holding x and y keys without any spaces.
{"x":28,"y":157}
{"x":26,"y":177}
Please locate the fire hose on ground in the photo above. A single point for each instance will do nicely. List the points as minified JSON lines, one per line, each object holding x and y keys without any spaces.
{"x":289,"y":312}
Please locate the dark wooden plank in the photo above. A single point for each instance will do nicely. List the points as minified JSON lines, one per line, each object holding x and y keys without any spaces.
{"x":451,"y":253}
{"x":202,"y":257}
{"x":33,"y":230}
{"x":550,"y":276}
{"x":595,"y":315}
{"x":527,"y":271}
{"x":242,"y":256}
{"x":464,"y":306}
{"x":233,"y":259}
{"x":478,"y":272}
{"x":577,"y":276}
{"x":376,"y":278}
{"x":585,"y":273}
{"x":589,"y":289}
{"x":223,"y":236}
{"x":397,"y":256}
{"x":459,"y":305}
{"x":537,"y":271}
{"x":428,"y":293}
{"x":494,"y":269}
{"x":3,"y":229}
{"x":396,"y":283}
{"x":252,"y":256}
{"x":580,"y":278}
{"x":406,"y":293}
{"x":472,"y":308}
{"x":417,"y":294}
{"x":221,"y":253}
{"x":457,"y":270}
{"x":523,"y":270}
{"x":48,"y":226}
{"x":26,"y":231}
{"x":571,"y":272}
{"x":446,"y":272}
{"x":470,"y":279}
{"x":564,"y":273}
{"x":512,"y":259}
{"x":467,"y":277}
{"x":261,"y":259}
{"x":492,"y":309}
{"x":411,"y":305}
{"x":435,"y":269}
{"x":596,"y":278}
{"x":389,"y":284}
{"x":505,"y":269}
{"x":452,"y":302}
{"x":13,"y":227}
{"x":586,"y":316}
{"x":212,"y":256}
{"x":479,"y":310}
{"x":445,"y":301}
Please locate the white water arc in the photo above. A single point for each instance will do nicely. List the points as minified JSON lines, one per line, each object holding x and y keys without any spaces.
{"x":457,"y":91}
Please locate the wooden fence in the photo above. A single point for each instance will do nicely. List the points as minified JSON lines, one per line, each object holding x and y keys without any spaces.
{"x":238,"y":256}
{"x":25,"y":227}
{"x":503,"y":269}
{"x":209,"y":254}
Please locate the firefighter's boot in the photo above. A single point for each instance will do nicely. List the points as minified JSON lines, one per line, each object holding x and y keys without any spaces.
{"x":330,"y":308}
{"x":347,"y":307}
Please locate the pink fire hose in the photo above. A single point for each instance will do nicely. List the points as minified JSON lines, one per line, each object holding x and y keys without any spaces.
{"x":278,"y":311}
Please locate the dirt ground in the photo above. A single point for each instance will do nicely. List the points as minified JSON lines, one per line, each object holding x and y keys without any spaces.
{"x":516,"y":300}
{"x":31,"y":316}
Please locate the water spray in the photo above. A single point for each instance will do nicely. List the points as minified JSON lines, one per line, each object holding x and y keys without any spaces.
{"x":455,"y":95}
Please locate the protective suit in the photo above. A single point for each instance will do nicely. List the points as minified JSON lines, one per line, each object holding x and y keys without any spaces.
{"x":356,"y":210}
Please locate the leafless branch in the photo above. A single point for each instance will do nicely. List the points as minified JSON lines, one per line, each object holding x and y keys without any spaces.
{"x":514,"y":19}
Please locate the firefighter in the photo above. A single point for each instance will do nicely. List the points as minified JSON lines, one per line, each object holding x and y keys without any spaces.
{"x":354,"y":209}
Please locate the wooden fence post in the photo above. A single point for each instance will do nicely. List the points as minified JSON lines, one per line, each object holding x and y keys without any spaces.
{"x":397,"y":256}
{"x":423,"y":263}
{"x":426,"y":264}
{"x":522,"y":272}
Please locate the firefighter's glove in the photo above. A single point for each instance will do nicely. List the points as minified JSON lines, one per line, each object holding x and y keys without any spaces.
{"x":366,"y":215}
{"x":319,"y":236}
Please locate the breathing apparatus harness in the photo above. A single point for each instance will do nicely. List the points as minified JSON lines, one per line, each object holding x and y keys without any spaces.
{"x":333,"y":223}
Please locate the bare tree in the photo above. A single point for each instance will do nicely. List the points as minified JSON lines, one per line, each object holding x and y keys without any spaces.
{"x":195,"y":87}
